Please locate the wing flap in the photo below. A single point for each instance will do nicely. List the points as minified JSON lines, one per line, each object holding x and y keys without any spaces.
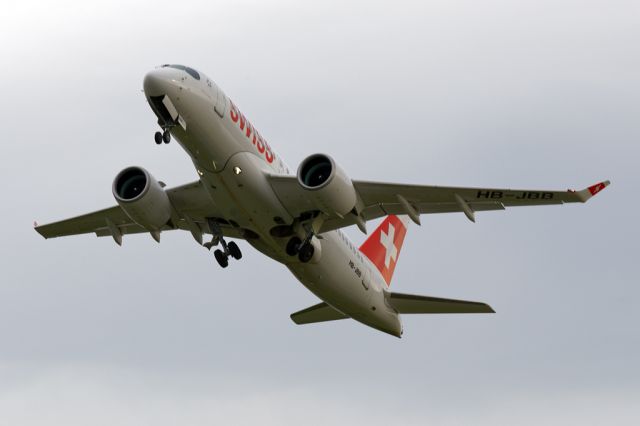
{"x":317,"y":313}
{"x":379,"y":210}
{"x":412,"y":304}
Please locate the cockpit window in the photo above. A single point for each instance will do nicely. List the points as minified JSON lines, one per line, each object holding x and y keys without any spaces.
{"x":193,"y":73}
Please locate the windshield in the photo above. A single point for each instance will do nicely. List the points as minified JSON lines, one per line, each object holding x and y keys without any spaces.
{"x":193,"y":73}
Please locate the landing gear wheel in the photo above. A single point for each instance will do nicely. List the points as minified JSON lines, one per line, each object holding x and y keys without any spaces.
{"x":306,"y":252}
{"x":234,"y":250}
{"x":222,"y":258}
{"x":166,"y":136}
{"x":293,"y":246}
{"x":158,"y":138}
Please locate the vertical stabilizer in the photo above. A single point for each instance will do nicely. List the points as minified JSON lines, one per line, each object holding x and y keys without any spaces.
{"x":384,"y":244}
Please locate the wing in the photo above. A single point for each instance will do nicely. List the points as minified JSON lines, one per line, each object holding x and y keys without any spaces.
{"x":379,"y":199}
{"x":191,"y":205}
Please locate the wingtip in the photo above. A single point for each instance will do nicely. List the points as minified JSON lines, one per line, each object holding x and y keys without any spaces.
{"x":592,"y":190}
{"x":485,"y":308}
{"x":38,"y":229}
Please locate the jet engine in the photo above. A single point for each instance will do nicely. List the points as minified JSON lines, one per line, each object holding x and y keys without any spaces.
{"x":330,"y":189}
{"x":142,"y":198}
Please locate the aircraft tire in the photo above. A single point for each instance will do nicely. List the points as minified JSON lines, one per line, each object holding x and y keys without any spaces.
{"x":166,"y":136}
{"x":293,"y":246}
{"x":306,"y":253}
{"x":234,"y":250}
{"x":222,"y":259}
{"x":158,"y":138}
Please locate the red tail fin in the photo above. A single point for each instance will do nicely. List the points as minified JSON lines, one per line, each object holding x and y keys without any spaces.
{"x":384,"y":244}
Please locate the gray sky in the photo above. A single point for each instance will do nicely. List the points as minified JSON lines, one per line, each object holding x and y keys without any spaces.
{"x":535,"y":94}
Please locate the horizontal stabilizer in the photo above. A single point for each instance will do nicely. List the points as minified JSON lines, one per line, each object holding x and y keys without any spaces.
{"x":411,"y":304}
{"x":317,"y":313}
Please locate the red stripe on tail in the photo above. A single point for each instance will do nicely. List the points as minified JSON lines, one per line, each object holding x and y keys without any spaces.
{"x":384,"y":244}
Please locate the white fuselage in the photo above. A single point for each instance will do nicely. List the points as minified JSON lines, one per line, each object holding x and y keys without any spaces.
{"x":233,"y":161}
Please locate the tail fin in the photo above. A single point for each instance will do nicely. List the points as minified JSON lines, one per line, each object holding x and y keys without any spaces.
{"x":384,"y":244}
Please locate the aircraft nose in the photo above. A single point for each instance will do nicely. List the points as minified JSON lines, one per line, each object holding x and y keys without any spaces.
{"x":157,"y":82}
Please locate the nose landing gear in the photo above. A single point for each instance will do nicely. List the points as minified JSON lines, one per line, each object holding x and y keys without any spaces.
{"x":164,"y":136}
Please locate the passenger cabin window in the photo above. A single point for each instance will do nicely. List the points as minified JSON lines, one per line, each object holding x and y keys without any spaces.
{"x":193,"y":73}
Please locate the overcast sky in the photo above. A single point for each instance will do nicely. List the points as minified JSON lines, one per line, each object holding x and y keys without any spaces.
{"x":535,"y":94}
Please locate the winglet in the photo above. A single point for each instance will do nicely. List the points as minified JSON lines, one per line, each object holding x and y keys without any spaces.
{"x":589,"y":192}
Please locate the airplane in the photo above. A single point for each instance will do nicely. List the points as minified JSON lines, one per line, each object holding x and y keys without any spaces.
{"x":246,"y":191}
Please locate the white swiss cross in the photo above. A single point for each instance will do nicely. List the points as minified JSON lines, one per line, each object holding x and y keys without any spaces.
{"x":387,"y":242}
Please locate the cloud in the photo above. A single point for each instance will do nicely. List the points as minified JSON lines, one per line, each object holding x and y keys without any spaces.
{"x":102,"y":395}
{"x":522,"y":94}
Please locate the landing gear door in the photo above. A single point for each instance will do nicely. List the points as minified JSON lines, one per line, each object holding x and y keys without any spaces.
{"x":171,"y":109}
{"x":221,"y":103}
{"x":167,"y":113}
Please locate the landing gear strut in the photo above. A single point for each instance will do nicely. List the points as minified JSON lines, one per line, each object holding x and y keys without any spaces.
{"x":230,"y":249}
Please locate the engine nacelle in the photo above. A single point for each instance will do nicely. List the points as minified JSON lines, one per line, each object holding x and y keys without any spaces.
{"x":142,"y":198}
{"x":330,"y":189}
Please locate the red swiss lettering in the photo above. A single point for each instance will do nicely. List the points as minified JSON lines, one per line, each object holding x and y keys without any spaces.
{"x":234,"y":113}
{"x":260,"y":144}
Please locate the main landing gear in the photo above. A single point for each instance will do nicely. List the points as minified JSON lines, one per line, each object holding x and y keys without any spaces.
{"x":230,"y":249}
{"x":164,"y":136}
{"x":303,"y":248}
